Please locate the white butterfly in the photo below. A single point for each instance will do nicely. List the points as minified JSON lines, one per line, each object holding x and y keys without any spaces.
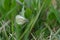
{"x":20,"y":20}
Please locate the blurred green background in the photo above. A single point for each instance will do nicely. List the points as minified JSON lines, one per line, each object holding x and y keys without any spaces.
{"x":43,"y":17}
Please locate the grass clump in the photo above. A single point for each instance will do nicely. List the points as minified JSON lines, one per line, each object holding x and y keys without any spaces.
{"x":43,"y":18}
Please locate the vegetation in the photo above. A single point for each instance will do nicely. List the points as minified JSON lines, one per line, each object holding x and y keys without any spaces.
{"x":43,"y":18}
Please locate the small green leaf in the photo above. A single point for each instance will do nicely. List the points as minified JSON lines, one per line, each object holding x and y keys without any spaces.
{"x":28,"y":13}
